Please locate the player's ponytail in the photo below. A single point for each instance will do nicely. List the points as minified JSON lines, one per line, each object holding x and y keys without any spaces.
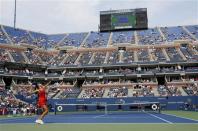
{"x":36,"y":86}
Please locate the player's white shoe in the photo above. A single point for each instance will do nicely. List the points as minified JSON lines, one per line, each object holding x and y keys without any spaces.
{"x":39,"y":122}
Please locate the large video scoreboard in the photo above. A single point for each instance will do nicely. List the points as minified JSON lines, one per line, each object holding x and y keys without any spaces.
{"x":123,"y":19}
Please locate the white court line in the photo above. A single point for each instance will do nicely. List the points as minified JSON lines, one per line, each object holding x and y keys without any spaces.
{"x":180,"y":117}
{"x":161,"y":118}
{"x":114,"y":117}
{"x":119,"y":123}
{"x":98,"y":116}
{"x":101,"y":123}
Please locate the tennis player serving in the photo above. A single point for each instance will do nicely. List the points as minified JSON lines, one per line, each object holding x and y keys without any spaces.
{"x":42,"y":100}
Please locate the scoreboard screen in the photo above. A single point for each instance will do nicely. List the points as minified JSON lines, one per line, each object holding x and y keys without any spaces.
{"x":123,"y":19}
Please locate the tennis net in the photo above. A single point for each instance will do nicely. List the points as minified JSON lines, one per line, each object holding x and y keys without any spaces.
{"x":104,"y":108}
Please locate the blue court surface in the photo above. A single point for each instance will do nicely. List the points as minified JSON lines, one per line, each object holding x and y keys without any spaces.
{"x":105,"y":118}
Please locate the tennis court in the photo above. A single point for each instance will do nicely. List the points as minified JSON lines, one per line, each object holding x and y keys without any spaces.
{"x":98,"y":122}
{"x":106,"y":118}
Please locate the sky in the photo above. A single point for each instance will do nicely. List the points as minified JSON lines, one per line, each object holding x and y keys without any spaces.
{"x":70,"y":16}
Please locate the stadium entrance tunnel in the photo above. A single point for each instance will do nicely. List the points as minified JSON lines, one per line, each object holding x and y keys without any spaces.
{"x":8,"y":82}
{"x":161,"y":80}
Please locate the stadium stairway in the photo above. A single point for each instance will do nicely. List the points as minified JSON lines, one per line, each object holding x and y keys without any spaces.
{"x":64,"y":59}
{"x":81,"y":93}
{"x":106,"y":58}
{"x":85,"y":39}
{"x":181,"y":54}
{"x":162,"y":35}
{"x":135,"y":56}
{"x":155,"y":91}
{"x":150,"y":55}
{"x":136,"y":38}
{"x":38,"y":56}
{"x":77,"y":60}
{"x":121,"y":56}
{"x":183,"y":93}
{"x":165,"y":54}
{"x":105,"y":95}
{"x":28,"y":32}
{"x":10,"y":56}
{"x":92,"y":58}
{"x":110,"y":39}
{"x":62,"y":40}
{"x":58,"y":94}
{"x":25,"y":57}
{"x":130,"y":92}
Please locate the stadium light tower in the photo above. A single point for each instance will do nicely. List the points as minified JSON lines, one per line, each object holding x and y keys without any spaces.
{"x":14,"y":14}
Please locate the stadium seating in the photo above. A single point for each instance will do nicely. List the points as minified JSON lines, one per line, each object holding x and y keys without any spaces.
{"x":123,"y":37}
{"x":97,"y":39}
{"x":4,"y":56}
{"x":39,"y":39}
{"x":99,"y":58}
{"x":193,"y":29}
{"x":71,"y":59}
{"x":100,"y":65}
{"x":93,"y":93}
{"x":53,"y":40}
{"x":118,"y":92}
{"x":143,"y":55}
{"x":189,"y":54}
{"x":18,"y":35}
{"x":175,"y":33}
{"x":128,"y":57}
{"x":17,"y":56}
{"x":3,"y":38}
{"x":173,"y":55}
{"x":73,"y":39}
{"x":113,"y":58}
{"x":158,"y":55}
{"x":69,"y":93}
{"x":150,"y":36}
{"x":143,"y":90}
{"x":33,"y":58}
{"x":85,"y":58}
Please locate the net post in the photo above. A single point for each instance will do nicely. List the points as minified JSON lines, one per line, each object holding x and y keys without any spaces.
{"x":55,"y":108}
{"x":105,"y":108}
{"x":159,"y":106}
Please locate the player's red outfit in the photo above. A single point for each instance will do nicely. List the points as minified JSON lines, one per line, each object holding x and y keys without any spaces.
{"x":42,"y":100}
